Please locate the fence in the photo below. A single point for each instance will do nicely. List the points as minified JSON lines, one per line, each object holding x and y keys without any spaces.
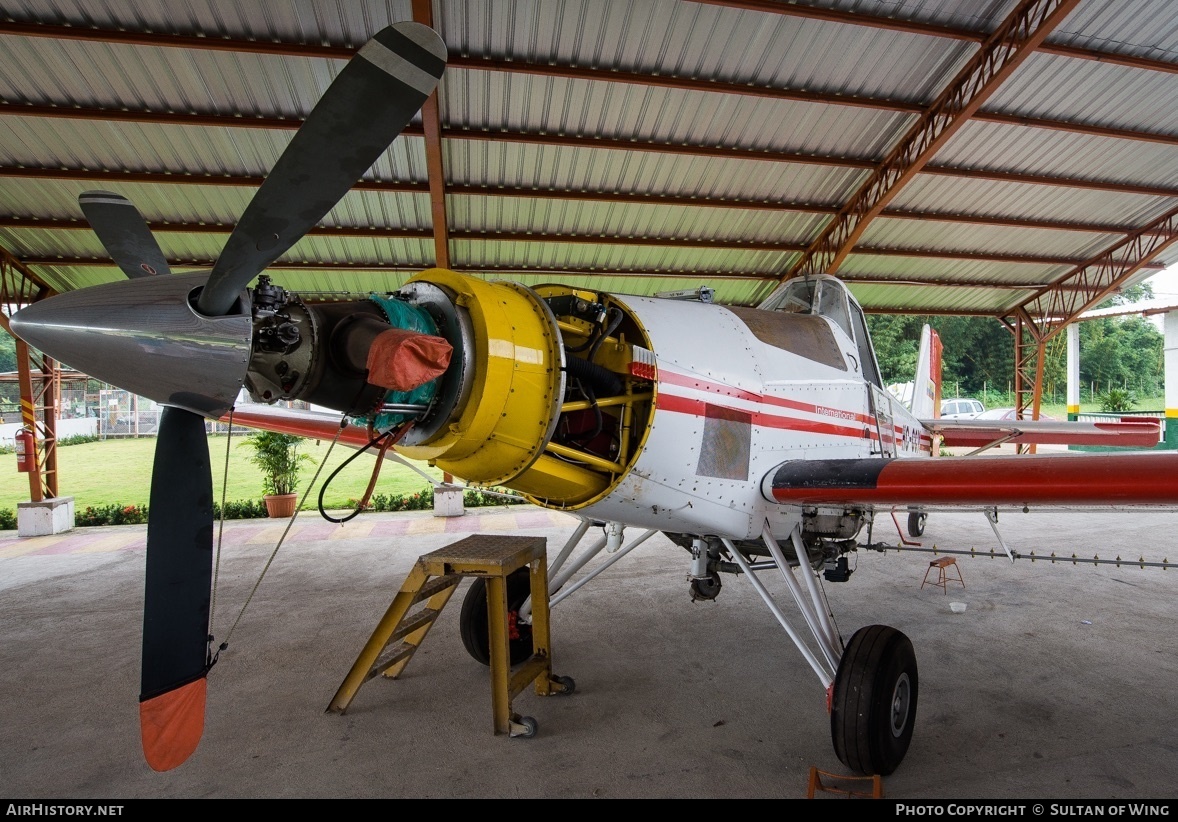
{"x":1098,"y":416}
{"x":108,"y":413}
{"x":1102,"y":416}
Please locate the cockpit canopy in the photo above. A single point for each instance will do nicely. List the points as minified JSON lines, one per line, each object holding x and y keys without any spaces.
{"x":828,"y":297}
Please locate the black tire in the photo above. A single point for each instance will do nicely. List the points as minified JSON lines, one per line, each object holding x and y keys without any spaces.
{"x":707,"y":588}
{"x":472,"y":621}
{"x":873,"y":711}
{"x":916,"y":524}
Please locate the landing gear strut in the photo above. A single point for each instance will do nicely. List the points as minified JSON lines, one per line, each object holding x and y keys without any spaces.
{"x":871,"y":682}
{"x":873,"y":710}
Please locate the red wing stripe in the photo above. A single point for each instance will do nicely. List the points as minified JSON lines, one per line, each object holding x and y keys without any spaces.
{"x":976,"y":434}
{"x":1055,"y":479}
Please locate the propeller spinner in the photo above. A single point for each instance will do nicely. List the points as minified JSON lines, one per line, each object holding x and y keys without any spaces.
{"x":184,"y":341}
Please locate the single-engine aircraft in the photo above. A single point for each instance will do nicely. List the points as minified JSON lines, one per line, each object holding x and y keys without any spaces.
{"x":754,"y":438}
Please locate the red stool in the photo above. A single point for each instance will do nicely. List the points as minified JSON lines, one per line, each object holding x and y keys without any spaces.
{"x":946,"y":568}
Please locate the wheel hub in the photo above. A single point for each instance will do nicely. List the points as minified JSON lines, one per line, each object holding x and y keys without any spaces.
{"x":901,"y":701}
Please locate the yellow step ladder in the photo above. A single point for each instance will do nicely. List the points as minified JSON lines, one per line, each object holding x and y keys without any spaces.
{"x":433,"y":580}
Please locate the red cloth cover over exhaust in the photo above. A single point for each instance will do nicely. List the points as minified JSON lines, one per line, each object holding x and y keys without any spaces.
{"x":402,"y":360}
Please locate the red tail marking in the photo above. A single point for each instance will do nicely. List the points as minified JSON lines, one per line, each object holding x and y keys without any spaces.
{"x":935,"y":371}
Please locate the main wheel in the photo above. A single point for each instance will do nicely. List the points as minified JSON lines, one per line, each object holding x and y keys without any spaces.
{"x":916,"y":524}
{"x":874,"y":707}
{"x":473,"y":626}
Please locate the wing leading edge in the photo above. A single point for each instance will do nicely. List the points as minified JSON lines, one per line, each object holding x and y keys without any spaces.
{"x":1133,"y":433}
{"x":1089,"y":480}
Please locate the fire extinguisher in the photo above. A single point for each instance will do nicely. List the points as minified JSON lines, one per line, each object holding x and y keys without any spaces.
{"x":24,"y":450}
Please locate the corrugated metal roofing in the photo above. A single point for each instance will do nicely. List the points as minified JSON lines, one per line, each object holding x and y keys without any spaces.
{"x":574,"y":169}
{"x":629,"y":145}
{"x":998,"y":199}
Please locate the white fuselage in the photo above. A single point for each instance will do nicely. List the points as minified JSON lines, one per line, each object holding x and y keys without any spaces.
{"x":730,"y":407}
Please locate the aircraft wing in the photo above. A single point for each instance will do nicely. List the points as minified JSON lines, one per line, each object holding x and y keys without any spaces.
{"x":1063,"y":480}
{"x":1136,"y":432}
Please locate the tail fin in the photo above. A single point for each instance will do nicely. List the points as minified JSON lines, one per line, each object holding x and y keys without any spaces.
{"x":926,"y":392}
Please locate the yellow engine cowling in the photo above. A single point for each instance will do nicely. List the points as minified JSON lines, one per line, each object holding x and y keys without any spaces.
{"x":501,"y":434}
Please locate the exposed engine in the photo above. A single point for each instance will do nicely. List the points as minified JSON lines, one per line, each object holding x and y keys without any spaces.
{"x":547,"y":391}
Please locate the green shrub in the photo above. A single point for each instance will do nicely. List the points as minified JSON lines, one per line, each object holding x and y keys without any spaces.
{"x":418,"y":501}
{"x":7,"y":519}
{"x":1117,"y":401}
{"x":241,"y":509}
{"x":111,"y":515}
{"x":424,"y":500}
{"x":137,"y":514}
{"x":77,"y":439}
{"x":473,"y":498}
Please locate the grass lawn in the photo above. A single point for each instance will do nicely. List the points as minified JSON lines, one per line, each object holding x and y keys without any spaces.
{"x":118,"y":471}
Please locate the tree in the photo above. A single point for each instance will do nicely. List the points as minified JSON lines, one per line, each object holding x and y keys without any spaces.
{"x":1125,"y":352}
{"x":7,"y":352}
{"x":1115,"y":352}
{"x":978,"y":352}
{"x":896,"y":345}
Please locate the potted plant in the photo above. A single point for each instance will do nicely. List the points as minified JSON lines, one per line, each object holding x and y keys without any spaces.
{"x":279,"y":458}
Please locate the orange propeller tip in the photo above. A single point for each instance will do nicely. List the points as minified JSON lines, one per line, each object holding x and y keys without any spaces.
{"x":171,"y":724}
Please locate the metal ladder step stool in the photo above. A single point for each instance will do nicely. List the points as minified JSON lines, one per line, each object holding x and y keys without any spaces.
{"x":942,"y":566}
{"x":434,"y":578}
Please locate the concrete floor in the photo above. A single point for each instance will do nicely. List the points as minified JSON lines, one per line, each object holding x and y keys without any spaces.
{"x":1056,"y":682}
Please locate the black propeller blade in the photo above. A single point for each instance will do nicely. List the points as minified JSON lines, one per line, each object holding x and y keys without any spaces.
{"x":176,"y":637}
{"x":367,"y":105}
{"x":124,"y":233}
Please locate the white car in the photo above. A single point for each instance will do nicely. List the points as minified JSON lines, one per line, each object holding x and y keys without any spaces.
{"x":961,"y":409}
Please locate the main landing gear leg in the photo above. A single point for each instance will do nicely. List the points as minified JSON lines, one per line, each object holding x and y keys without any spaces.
{"x":873,"y":681}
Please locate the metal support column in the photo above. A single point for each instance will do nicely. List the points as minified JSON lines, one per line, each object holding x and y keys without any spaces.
{"x":1074,"y":372}
{"x":1170,"y":436}
{"x":40,"y":391}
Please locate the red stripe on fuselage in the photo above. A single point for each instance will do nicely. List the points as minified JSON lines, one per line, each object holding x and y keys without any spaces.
{"x":673,"y":378}
{"x":683,"y":405}
{"x":699,"y":408}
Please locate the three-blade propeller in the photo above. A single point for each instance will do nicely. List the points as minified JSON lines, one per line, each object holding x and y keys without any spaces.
{"x":366,"y":107}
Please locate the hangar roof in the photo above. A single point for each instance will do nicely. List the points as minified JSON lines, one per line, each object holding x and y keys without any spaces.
{"x":988,"y":157}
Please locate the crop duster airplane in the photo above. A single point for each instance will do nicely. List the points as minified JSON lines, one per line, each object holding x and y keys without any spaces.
{"x":754,"y":438}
